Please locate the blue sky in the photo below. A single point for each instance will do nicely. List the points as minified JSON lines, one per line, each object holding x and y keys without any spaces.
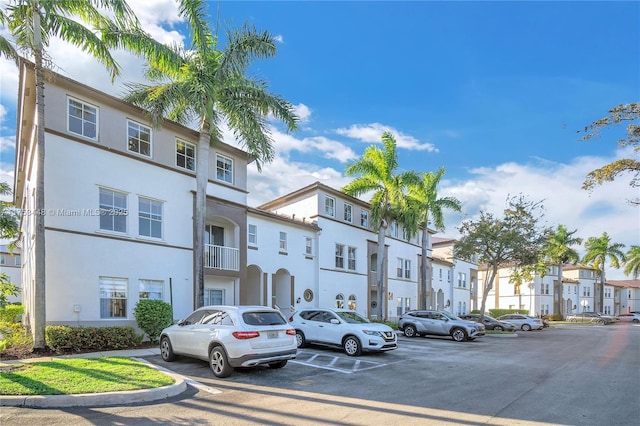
{"x":495,"y":92}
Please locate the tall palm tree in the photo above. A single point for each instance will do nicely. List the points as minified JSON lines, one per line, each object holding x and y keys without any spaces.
{"x":558,"y":250}
{"x":632,"y":263}
{"x":599,"y":249}
{"x":6,"y":47}
{"x":376,"y":172}
{"x":208,"y":84}
{"x":32,"y":23}
{"x":429,"y":210}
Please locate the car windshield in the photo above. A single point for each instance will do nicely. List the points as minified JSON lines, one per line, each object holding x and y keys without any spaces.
{"x":352,"y":317}
{"x":450,"y":316}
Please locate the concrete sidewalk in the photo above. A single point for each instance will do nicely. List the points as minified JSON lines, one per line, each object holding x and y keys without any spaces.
{"x":97,"y":399}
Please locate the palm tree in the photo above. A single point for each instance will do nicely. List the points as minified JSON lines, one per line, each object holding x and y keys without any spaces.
{"x":376,"y":172}
{"x":6,"y":47}
{"x":209,"y":85}
{"x":558,"y":251}
{"x":32,"y":23}
{"x":429,"y":210}
{"x":632,"y":263}
{"x":599,"y":249}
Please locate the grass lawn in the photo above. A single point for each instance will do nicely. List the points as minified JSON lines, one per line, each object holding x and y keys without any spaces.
{"x":75,"y":376}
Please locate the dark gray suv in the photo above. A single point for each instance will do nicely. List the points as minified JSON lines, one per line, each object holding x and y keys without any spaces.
{"x":439,"y":323}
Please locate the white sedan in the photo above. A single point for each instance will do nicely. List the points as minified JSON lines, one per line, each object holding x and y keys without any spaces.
{"x":231,"y":336}
{"x":633,"y":317}
{"x":523,"y":322}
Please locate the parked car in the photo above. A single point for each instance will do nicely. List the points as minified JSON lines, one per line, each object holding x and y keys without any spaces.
{"x":341,"y":328}
{"x":439,"y":323}
{"x":230,"y":337}
{"x":633,"y":317}
{"x":489,"y":322}
{"x":590,"y":317}
{"x":523,"y":322}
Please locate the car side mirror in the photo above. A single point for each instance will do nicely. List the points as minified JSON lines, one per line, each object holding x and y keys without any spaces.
{"x":334,"y":321}
{"x":181,"y":322}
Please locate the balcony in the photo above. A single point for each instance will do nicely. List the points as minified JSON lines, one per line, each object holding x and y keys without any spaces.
{"x":221,"y":257}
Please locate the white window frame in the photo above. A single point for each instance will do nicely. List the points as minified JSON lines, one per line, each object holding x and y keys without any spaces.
{"x":113,"y":289}
{"x":329,"y":206}
{"x":364,"y":218}
{"x":351,"y":258}
{"x":140,"y":129}
{"x":252,"y":234}
{"x":339,"y":301}
{"x":207,"y":296}
{"x":150,"y":216}
{"x":112,"y":210}
{"x":224,"y":173}
{"x":150,"y":289}
{"x":348,"y":212}
{"x":308,"y":246}
{"x":339,"y":256}
{"x":186,"y":157}
{"x":283,"y":241}
{"x":83,"y":107}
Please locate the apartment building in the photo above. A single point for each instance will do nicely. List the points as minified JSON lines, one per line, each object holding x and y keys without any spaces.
{"x":119,"y":209}
{"x":10,"y":265}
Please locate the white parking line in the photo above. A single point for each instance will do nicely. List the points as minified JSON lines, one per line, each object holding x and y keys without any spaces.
{"x":333,"y":363}
{"x":187,"y":380}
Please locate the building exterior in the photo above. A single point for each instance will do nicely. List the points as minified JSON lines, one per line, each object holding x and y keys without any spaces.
{"x":10,"y":265}
{"x":119,"y":228}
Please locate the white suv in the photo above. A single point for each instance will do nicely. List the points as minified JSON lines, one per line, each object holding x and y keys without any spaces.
{"x":342,"y":328}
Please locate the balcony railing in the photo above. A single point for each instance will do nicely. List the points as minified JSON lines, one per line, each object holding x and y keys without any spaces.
{"x":221,"y":257}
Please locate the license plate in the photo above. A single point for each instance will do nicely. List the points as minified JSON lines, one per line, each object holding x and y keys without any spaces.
{"x":272,"y":334}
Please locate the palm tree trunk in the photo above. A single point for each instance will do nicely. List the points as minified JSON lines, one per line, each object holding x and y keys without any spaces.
{"x":39,"y":291}
{"x":379,"y":309}
{"x":202,"y":176}
{"x":557,"y":291}
{"x":425,"y":269}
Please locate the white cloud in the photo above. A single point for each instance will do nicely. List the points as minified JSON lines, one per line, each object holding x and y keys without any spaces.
{"x":372,"y":133}
{"x":603,"y":210}
{"x":303,"y":112}
{"x":279,"y":39}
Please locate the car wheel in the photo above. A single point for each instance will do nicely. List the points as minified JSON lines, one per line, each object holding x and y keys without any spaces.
{"x":300,"y":340}
{"x":278,"y":364}
{"x":573,"y":320}
{"x":601,"y":322}
{"x":410,"y":331}
{"x":526,"y":327}
{"x":166,"y":351}
{"x":458,"y":334}
{"x":498,"y":328}
{"x":219,"y":363}
{"x":636,"y":320}
{"x":352,"y":346}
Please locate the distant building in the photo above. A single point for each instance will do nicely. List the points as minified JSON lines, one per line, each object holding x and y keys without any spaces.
{"x":10,"y":265}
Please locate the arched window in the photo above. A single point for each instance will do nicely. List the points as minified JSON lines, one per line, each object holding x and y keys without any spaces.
{"x":352,"y":303}
{"x":459,"y":308}
{"x":340,"y":301}
{"x":464,"y":308}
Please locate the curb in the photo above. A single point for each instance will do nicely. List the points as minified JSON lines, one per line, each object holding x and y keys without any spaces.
{"x":100,"y":399}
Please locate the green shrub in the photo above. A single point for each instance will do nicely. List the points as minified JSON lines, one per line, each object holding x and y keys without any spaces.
{"x":499,"y":312}
{"x":63,"y":338}
{"x":153,"y":316}
{"x":553,"y":317}
{"x":11,"y":313}
{"x":13,"y":334}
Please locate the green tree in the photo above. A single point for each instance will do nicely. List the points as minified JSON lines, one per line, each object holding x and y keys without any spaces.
{"x":598,"y":250}
{"x":9,"y":227}
{"x":623,"y":113}
{"x":632,"y":264}
{"x":429,"y":211}
{"x":6,"y":47}
{"x":377,"y":173}
{"x":209,"y":84}
{"x":514,"y":240}
{"x":558,"y":250}
{"x":33,"y":23}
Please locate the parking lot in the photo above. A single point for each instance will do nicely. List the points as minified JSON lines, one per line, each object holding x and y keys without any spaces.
{"x":573,"y":375}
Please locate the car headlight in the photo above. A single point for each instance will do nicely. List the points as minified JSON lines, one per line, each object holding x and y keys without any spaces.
{"x":371,"y":332}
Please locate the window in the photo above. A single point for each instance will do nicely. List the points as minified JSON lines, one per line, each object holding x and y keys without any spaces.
{"x":459,"y":308}
{"x":3,"y":260}
{"x":403,"y":269}
{"x":407,"y":269}
{"x":351,"y":305}
{"x":546,"y":289}
{"x":330,"y":206}
{"x":185,"y":155}
{"x":352,"y":258}
{"x":462,"y":279}
{"x":340,"y":301}
{"x":440,"y":274}
{"x":308,"y":246}
{"x":138,"y":138}
{"x":394,"y":229}
{"x":149,"y":218}
{"x":283,"y":240}
{"x":364,"y":218}
{"x":213,"y":297}
{"x":18,"y":260}
{"x":253,"y":235}
{"x":113,"y":297}
{"x":113,"y":210}
{"x":224,"y":168}
{"x":448,"y":275}
{"x":83,"y":119}
{"x":339,"y":256}
{"x":150,"y":289}
{"x":586,"y":291}
{"x":348,"y":212}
